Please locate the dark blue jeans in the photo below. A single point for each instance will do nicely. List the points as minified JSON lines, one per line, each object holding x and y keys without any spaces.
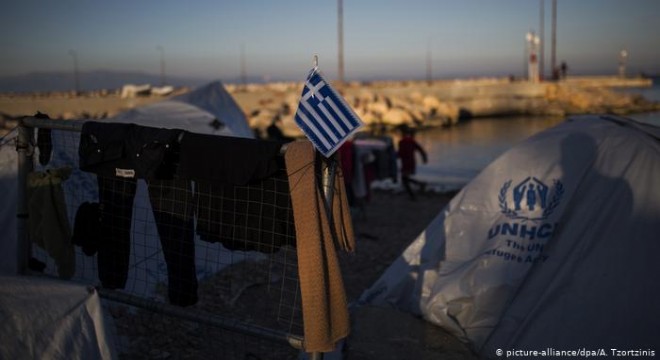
{"x":172,"y":204}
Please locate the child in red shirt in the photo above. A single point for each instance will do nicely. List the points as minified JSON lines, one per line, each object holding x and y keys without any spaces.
{"x":407,"y":148}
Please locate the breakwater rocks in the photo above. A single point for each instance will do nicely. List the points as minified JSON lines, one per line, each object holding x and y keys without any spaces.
{"x":415,"y":103}
{"x":445,"y":103}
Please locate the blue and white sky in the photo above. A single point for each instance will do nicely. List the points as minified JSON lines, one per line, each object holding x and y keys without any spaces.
{"x":383,"y":39}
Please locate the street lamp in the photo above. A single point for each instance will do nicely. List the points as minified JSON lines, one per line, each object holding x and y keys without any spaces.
{"x":429,"y":64}
{"x":340,"y":40}
{"x":74,"y":55}
{"x":623,"y":59}
{"x":162,"y":64}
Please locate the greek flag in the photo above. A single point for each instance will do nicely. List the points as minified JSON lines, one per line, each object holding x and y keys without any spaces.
{"x":324,"y":116}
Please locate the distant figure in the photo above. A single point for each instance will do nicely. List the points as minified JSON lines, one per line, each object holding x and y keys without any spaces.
{"x":563,"y":69}
{"x":556,"y":73}
{"x":273,"y":131}
{"x":407,"y":148}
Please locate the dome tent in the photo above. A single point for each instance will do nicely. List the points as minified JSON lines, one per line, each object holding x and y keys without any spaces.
{"x":554,"y":245}
{"x":209,"y":109}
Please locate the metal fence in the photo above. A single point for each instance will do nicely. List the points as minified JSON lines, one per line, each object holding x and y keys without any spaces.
{"x":245,"y":301}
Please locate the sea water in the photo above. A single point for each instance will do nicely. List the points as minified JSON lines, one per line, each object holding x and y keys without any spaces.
{"x":456,"y":155}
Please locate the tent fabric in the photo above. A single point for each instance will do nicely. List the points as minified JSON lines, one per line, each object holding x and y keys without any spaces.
{"x":215,"y":99}
{"x":553,"y":245}
{"x":209,"y":109}
{"x":8,"y":186}
{"x":172,"y":115}
{"x":52,"y":319}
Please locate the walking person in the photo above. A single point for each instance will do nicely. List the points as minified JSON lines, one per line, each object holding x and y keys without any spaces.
{"x":408,"y":146}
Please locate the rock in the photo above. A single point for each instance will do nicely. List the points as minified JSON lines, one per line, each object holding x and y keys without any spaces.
{"x":397,"y":116}
{"x":449,"y":111}
{"x":431,"y":104}
{"x":367,"y":117}
{"x":378,"y":108}
{"x":416,"y":97}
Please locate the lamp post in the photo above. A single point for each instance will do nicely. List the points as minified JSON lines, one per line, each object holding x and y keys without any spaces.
{"x":542,"y":36}
{"x":162,"y":65}
{"x":429,"y":64}
{"x":243,"y":69}
{"x":340,"y":40}
{"x":623,"y":59}
{"x":553,"y":49}
{"x":76,"y":81}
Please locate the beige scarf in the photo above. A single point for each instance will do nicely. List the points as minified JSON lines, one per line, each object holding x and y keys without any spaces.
{"x":324,"y":306}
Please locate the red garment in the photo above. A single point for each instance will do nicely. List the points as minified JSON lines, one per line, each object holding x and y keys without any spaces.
{"x":346,"y":160}
{"x":407,"y":148}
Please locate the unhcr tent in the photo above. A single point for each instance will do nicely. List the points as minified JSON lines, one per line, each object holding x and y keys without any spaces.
{"x":553,"y":247}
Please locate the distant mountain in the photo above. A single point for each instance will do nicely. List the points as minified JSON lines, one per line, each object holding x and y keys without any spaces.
{"x":92,"y":80}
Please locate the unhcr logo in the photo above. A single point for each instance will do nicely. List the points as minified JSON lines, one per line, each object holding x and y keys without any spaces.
{"x":530,"y":199}
{"x":528,"y":204}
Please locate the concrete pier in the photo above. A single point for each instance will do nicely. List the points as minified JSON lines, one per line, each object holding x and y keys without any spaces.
{"x":391,"y":103}
{"x":445,"y":102}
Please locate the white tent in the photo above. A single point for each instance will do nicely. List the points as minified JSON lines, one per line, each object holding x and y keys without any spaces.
{"x":207,"y":110}
{"x":553,"y":247}
{"x":217,"y":101}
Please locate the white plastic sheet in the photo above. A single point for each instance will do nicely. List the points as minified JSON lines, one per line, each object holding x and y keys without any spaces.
{"x":51,"y":319}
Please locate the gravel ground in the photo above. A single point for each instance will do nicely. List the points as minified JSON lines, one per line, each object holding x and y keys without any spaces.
{"x":384,"y":229}
{"x":388,"y":223}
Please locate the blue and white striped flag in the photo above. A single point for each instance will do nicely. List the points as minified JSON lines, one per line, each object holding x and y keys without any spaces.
{"x":324,"y":116}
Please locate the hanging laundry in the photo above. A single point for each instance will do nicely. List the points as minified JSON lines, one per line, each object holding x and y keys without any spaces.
{"x":129,"y":150}
{"x":173,"y":207}
{"x":86,"y":226}
{"x":252,"y":217}
{"x":44,"y":141}
{"x":242,"y":191}
{"x":119,"y":154}
{"x":318,"y":232}
{"x":48,"y":224}
{"x":227,"y":160}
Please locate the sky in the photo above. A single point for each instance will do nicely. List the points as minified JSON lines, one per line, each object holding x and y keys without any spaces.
{"x":383,"y":39}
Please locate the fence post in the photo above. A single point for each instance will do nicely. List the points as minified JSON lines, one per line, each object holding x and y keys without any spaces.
{"x":25,"y":150}
{"x":329,"y":183}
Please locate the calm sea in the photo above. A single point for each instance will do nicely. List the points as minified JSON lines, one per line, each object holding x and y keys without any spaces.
{"x":458,"y":154}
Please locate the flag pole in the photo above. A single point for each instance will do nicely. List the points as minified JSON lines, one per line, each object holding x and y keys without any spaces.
{"x":328,"y":174}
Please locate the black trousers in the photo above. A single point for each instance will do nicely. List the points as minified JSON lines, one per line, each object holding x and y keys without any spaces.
{"x":172,"y":204}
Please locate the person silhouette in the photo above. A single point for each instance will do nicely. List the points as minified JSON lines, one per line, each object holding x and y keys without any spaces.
{"x":408,"y":146}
